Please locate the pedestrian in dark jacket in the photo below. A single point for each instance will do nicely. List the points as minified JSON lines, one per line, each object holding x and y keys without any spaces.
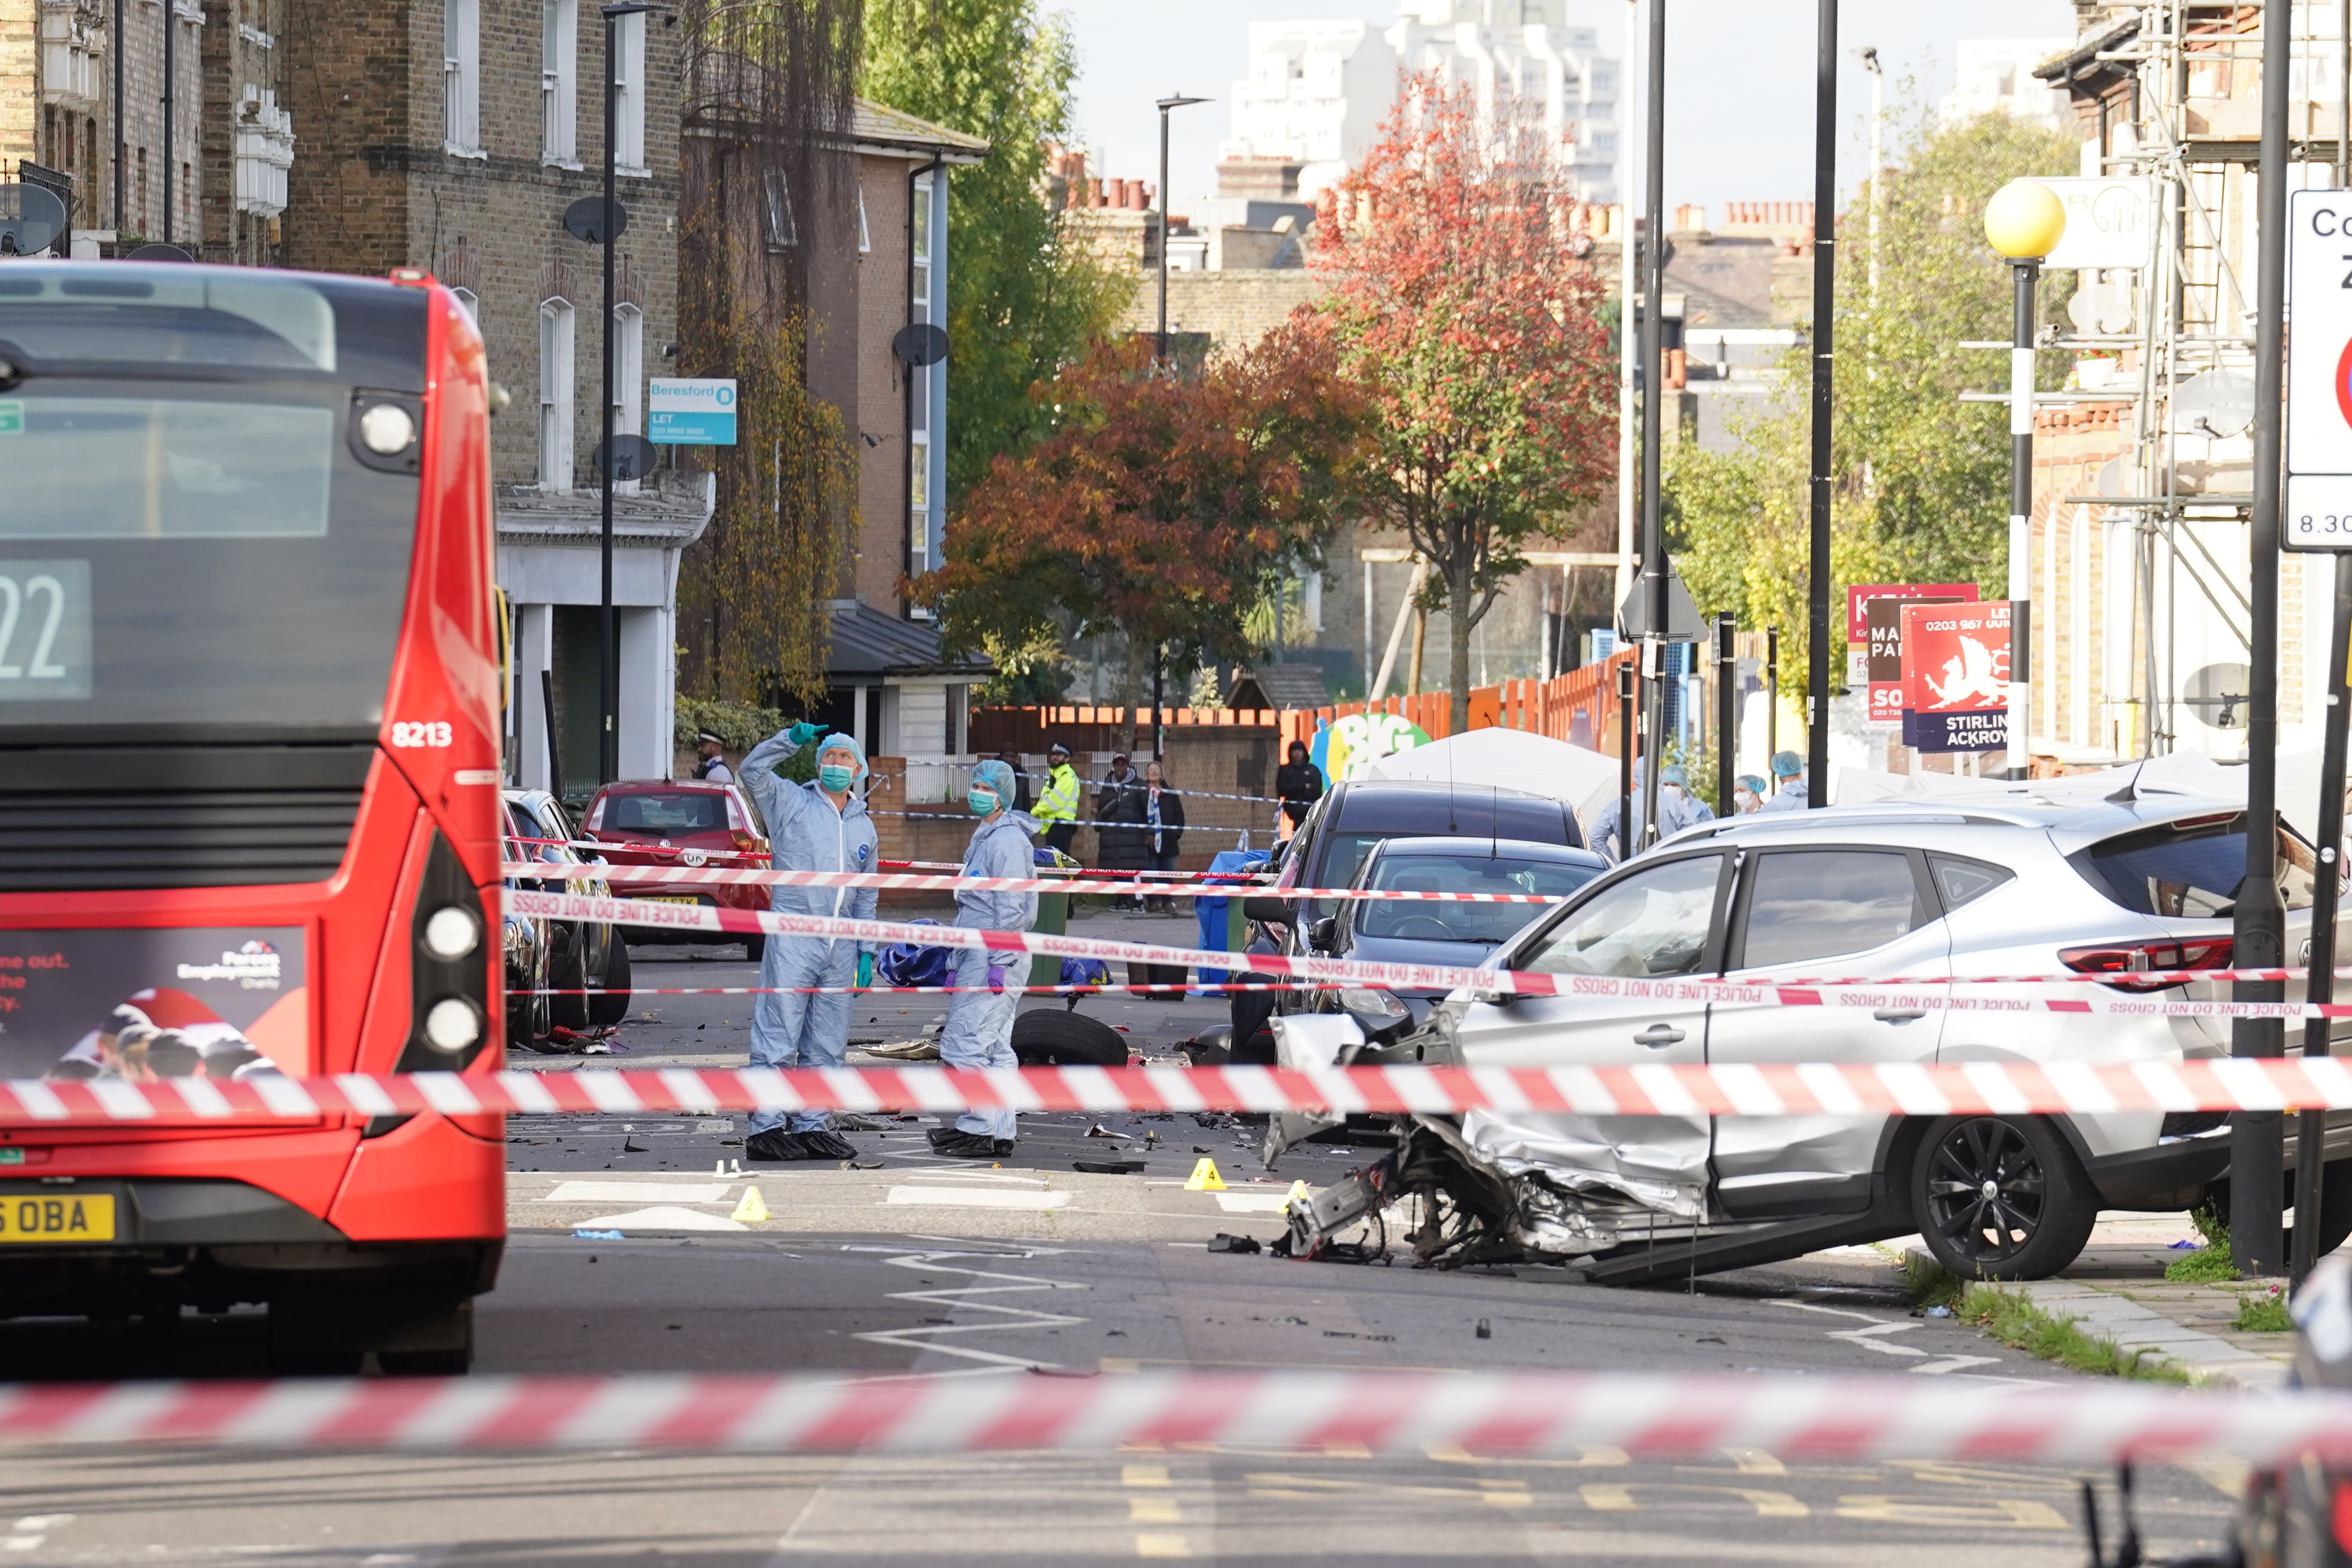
{"x":1011,"y":758}
{"x":1163,"y":825}
{"x":1121,"y":842}
{"x":1299,"y":783}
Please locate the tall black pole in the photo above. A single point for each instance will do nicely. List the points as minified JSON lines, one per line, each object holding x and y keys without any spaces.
{"x":2024,"y":273}
{"x":1727,"y":711}
{"x":1653,"y":398}
{"x":1771,"y":697}
{"x":608,"y":651}
{"x":1172,"y":102}
{"x":1817,"y":585}
{"x":114,"y":43}
{"x":171,"y":51}
{"x":1626,"y":848}
{"x":2259,"y":918}
{"x":1160,"y":350}
{"x":2310,"y":1128}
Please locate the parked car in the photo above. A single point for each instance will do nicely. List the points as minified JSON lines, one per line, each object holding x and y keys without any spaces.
{"x":584,"y":964}
{"x":1434,"y":931}
{"x":1330,"y":848}
{"x":683,"y":824}
{"x":2019,"y":886}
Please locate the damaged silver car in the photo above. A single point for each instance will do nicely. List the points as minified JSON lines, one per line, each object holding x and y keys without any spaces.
{"x":2021,"y":886}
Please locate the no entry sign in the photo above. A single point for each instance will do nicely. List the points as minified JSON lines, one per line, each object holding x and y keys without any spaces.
{"x":1956,"y":677}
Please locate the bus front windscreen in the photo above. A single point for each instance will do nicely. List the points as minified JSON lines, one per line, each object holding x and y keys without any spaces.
{"x":190,"y":542}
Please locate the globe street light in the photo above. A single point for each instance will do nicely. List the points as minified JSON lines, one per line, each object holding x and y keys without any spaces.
{"x":2024,"y":222}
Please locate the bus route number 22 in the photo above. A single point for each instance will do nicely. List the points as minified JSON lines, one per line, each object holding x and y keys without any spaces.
{"x":422,"y":732}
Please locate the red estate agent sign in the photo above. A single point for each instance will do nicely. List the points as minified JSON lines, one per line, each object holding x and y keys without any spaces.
{"x":1956,"y":677}
{"x":1883,"y":664}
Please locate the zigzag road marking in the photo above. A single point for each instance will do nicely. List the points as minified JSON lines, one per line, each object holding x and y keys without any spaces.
{"x":1010,"y":1318}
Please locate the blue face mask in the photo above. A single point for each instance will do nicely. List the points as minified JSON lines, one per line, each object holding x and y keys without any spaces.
{"x":982,"y":801}
{"x":835,"y":779}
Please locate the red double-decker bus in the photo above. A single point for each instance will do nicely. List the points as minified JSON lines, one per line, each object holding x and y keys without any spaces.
{"x":250,"y":690}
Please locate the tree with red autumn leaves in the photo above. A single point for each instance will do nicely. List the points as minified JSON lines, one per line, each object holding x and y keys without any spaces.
{"x":1452,"y":305}
{"x":1160,"y":507}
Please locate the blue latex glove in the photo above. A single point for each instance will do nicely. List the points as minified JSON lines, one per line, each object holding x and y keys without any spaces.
{"x":865,"y":970}
{"x":996,"y":977}
{"x":801,"y":733}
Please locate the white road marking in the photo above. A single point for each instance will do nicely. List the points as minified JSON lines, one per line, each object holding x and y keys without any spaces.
{"x":1253,"y":1202}
{"x":1008,"y":1318}
{"x":977,"y":1198}
{"x":663,"y":1217}
{"x":1954,"y":1364}
{"x":639,"y":1192}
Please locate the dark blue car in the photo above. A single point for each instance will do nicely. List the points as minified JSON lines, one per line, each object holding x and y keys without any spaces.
{"x":1414,"y":930}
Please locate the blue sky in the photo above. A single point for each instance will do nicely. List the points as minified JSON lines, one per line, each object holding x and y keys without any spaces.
{"x":1740,"y":91}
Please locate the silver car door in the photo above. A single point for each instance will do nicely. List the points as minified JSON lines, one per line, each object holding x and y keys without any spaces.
{"x":1660,"y":921}
{"x":1812,"y":913}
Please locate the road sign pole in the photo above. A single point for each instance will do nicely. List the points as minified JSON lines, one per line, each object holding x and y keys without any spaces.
{"x":2258,"y":915}
{"x":2024,"y":272}
{"x":1653,"y":402}
{"x":1727,"y":711}
{"x":2310,"y":1127}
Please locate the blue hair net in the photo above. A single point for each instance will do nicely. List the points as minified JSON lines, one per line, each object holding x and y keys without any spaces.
{"x":995,"y":777}
{"x":839,"y":741}
{"x":1674,"y":774}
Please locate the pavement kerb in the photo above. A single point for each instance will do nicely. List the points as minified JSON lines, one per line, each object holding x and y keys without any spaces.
{"x":2206,"y":1359}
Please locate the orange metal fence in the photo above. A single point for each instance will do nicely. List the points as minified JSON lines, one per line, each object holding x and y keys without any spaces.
{"x":1580,"y":706}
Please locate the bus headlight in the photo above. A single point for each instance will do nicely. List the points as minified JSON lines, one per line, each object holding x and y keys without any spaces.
{"x":386,"y":429}
{"x":453,"y":1024}
{"x":451,"y":932}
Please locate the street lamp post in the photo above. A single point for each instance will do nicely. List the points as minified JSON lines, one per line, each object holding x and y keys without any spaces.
{"x":2022,"y":221}
{"x":1822,"y":455}
{"x":1172,"y":102}
{"x":608,"y":632}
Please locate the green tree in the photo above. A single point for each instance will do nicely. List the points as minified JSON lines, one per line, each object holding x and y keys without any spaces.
{"x":1921,"y":492}
{"x":1023,"y":299}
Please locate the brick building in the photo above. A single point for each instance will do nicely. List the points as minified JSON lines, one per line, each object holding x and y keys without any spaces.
{"x":451,"y":135}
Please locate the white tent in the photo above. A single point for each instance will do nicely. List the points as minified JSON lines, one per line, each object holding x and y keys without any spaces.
{"x":1511,"y":759}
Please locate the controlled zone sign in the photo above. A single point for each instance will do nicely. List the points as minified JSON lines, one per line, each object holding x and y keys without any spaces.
{"x":2318,"y":372}
{"x":690,"y":411}
{"x":1956,"y":677}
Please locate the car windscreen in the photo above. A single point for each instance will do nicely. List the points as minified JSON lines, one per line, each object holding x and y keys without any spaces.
{"x":680,"y":811}
{"x":188,"y":539}
{"x":2188,"y":870}
{"x":1432,"y":919}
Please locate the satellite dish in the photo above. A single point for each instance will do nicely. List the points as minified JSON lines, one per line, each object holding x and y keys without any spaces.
{"x":159,"y":252}
{"x":2115,"y":477}
{"x":920,"y":345}
{"x":31,"y":219}
{"x":2217,"y":696}
{"x":2219,"y":403}
{"x":633,"y":457}
{"x":584,"y":220}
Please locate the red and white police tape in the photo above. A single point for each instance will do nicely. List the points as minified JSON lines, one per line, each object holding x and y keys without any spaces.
{"x":1390,"y":1414}
{"x":1926,"y":992}
{"x":902,"y":881}
{"x":1646,"y":1088}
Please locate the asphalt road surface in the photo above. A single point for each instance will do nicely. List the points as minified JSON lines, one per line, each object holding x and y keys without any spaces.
{"x":628,"y":1254}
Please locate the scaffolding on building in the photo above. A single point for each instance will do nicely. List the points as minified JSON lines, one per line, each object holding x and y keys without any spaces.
{"x":2168,"y":93}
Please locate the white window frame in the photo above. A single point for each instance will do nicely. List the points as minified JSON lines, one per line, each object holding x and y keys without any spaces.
{"x":778,"y":227}
{"x":919,"y":246}
{"x":461,"y":77}
{"x":864,"y":238}
{"x":559,"y":83}
{"x":628,"y":379}
{"x":472,"y":302}
{"x":556,"y":343}
{"x":918,"y":491}
{"x":629,"y":100}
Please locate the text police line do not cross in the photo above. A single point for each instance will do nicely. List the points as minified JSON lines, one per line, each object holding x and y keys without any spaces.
{"x":2318,"y":372}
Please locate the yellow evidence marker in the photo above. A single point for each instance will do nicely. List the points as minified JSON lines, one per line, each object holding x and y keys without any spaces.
{"x":1205,"y":1177}
{"x":752,"y":1209}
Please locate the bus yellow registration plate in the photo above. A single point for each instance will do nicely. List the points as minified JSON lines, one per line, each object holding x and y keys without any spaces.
{"x":58,"y":1216}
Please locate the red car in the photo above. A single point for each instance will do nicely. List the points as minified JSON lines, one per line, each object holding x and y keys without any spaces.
{"x":685,"y":824}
